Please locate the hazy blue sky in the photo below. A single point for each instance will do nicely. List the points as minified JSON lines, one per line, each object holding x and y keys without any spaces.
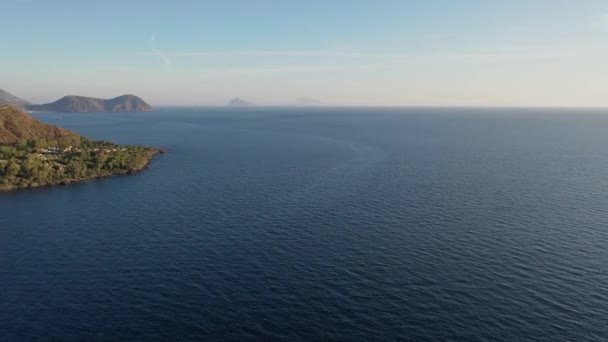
{"x":351,"y":52}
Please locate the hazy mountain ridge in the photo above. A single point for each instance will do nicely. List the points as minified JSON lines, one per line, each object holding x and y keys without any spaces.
{"x":7,"y":98}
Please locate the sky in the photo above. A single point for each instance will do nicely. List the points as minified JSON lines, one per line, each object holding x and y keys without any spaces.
{"x":341,"y":52}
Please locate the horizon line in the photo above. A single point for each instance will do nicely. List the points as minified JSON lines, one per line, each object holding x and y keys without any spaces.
{"x":262,"y":106}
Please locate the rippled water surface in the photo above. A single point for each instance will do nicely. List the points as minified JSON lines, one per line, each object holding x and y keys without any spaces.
{"x":315,"y":224}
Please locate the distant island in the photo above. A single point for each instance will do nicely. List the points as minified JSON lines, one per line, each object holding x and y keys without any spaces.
{"x":80,"y":104}
{"x":238,"y":102}
{"x":34,"y":154}
{"x":308,"y":101}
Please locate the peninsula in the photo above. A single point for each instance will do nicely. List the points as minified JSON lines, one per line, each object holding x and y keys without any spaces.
{"x":34,"y":154}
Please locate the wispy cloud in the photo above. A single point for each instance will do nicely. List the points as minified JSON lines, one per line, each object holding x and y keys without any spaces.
{"x":284,"y":69}
{"x":164,"y":58}
{"x":330,"y":60}
{"x":282,"y":53}
{"x":509,"y":52}
{"x":167,"y":63}
{"x":601,"y":22}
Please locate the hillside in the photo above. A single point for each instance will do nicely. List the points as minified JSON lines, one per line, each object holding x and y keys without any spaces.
{"x":10,"y":99}
{"x":82,"y":104}
{"x":16,"y":126}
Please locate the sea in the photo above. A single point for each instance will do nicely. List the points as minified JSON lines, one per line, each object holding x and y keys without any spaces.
{"x":316,"y":224}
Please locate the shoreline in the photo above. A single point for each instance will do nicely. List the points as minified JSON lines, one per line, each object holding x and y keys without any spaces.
{"x":131,"y":172}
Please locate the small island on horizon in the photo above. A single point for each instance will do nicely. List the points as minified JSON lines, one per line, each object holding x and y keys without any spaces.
{"x":35,"y":154}
{"x":238,"y":102}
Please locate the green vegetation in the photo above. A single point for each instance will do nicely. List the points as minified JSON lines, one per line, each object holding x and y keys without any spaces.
{"x":35,"y":154}
{"x":38,"y":163}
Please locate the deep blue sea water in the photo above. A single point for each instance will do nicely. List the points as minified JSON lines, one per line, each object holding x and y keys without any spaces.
{"x":318,"y":224}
